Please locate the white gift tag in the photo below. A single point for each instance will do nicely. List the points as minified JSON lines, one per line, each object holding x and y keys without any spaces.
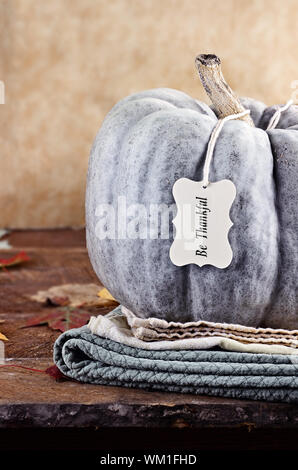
{"x":202,"y":223}
{"x":203,"y":214}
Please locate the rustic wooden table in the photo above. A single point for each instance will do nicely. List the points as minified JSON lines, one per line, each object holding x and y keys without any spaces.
{"x":35,"y":410}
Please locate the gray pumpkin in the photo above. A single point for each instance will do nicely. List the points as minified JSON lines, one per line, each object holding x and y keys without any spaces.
{"x":148,"y":141}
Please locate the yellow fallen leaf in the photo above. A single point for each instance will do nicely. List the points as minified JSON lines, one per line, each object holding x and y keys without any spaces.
{"x":3,"y":337}
{"x":105,"y":294}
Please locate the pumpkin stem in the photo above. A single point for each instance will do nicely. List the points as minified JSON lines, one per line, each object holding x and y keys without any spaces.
{"x":224,"y":100}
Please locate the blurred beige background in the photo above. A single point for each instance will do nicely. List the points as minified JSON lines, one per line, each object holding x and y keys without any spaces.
{"x":66,"y":62}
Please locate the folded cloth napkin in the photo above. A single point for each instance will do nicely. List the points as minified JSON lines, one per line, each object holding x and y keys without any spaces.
{"x":123,"y":326}
{"x":155,"y":329}
{"x":89,"y":358}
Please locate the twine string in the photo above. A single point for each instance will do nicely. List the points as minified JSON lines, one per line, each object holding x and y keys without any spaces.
{"x":276,"y":116}
{"x":212,"y":141}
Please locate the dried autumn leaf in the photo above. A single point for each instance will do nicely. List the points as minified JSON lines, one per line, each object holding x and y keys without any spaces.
{"x":56,"y":373}
{"x":61,"y":319}
{"x":13,"y":260}
{"x":2,"y":336}
{"x":105,"y":294}
{"x":58,"y":301}
{"x":74,"y":295}
{"x":52,"y":371}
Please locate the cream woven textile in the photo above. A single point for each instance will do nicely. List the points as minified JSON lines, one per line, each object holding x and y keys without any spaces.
{"x":155,"y":334}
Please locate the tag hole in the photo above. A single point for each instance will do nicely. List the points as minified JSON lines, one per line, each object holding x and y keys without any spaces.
{"x":204,"y":187}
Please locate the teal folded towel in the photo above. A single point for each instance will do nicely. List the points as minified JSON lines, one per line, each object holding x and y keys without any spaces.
{"x":89,"y":358}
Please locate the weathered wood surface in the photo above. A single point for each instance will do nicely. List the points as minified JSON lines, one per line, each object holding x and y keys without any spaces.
{"x":34,"y":399}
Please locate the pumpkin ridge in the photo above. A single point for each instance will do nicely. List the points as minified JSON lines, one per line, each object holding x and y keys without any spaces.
{"x":184,"y":101}
{"x":284,"y":306}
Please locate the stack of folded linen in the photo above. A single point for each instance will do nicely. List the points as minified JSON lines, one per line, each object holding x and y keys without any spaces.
{"x":199,"y":357}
